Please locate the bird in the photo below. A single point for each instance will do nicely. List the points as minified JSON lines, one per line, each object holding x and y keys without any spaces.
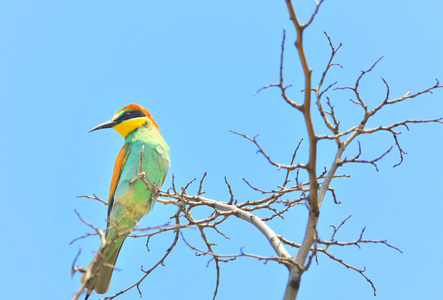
{"x":139,"y":172}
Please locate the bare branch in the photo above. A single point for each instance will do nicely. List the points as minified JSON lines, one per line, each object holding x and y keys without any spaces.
{"x":231,"y":257}
{"x":93,"y":197}
{"x":328,"y":67}
{"x":280,"y":85}
{"x":395,"y":134}
{"x":230,"y":191}
{"x":200,"y":192}
{"x":360,"y":271}
{"x":372,"y":162}
{"x":313,"y":14}
{"x":73,"y":267}
{"x":236,"y":211}
{"x":260,"y":150}
{"x":357,"y":242}
{"x":407,"y":96}
{"x":292,"y":163}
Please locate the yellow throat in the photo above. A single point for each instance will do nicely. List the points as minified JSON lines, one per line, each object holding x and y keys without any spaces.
{"x":128,"y":126}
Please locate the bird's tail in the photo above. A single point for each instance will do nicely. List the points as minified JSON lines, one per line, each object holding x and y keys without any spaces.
{"x":98,"y":275}
{"x":105,"y":273}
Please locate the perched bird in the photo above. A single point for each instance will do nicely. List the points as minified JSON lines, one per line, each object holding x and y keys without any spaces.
{"x":142,"y":162}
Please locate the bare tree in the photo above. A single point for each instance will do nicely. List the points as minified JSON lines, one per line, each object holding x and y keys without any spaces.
{"x":296,"y":256}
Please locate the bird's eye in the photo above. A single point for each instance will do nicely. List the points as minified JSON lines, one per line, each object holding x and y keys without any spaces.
{"x":127,"y":115}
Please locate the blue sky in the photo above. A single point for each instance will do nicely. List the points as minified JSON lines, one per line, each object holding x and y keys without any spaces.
{"x":66,"y":66}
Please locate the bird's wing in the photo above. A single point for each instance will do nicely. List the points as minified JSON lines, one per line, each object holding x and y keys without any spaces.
{"x":118,"y":168}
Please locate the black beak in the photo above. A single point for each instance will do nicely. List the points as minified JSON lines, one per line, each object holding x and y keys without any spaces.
{"x":108,"y":124}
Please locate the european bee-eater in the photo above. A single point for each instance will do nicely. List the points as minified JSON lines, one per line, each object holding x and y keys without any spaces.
{"x":131,"y":197}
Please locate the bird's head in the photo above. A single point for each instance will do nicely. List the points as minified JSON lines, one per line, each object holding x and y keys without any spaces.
{"x":128,"y":119}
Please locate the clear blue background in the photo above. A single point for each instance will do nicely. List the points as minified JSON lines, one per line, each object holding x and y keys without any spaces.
{"x":66,"y":66}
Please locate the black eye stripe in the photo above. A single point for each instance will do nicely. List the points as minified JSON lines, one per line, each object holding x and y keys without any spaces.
{"x":137,"y":114}
{"x":132,"y":114}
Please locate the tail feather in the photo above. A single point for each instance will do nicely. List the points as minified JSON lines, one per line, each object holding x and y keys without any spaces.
{"x":105,"y":274}
{"x":98,"y":275}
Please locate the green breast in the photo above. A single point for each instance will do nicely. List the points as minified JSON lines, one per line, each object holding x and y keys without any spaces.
{"x":134,"y":200}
